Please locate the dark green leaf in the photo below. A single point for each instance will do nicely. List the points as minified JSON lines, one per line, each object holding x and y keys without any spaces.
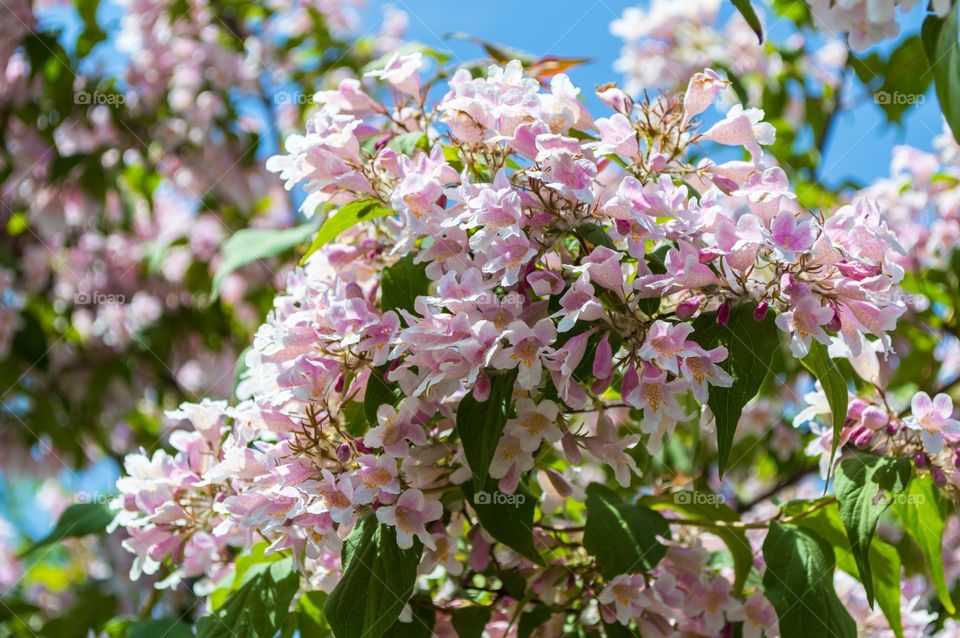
{"x":921,"y":517}
{"x":750,"y":346}
{"x":862,"y":485}
{"x":884,"y":560}
{"x":420,"y":626}
{"x":748,"y":13}
{"x":819,"y":363}
{"x":939,"y":37}
{"x":379,"y":392}
{"x":530,"y":620}
{"x":506,"y":517}
{"x":258,"y":608}
{"x":250,"y":244}
{"x":798,"y":583}
{"x":377,"y":581}
{"x":401,"y":283}
{"x":79,"y":519}
{"x":470,"y":621}
{"x":479,"y":425}
{"x":622,"y":536}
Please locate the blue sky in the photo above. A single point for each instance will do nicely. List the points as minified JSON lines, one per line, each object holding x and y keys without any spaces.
{"x":861,"y":143}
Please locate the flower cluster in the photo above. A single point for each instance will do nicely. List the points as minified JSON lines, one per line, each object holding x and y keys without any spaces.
{"x":865,"y":22}
{"x":506,"y":248}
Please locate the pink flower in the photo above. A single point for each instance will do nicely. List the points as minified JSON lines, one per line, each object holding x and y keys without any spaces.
{"x":395,"y":429}
{"x":805,"y":320}
{"x":527,"y":346}
{"x":702,"y":369}
{"x":579,"y":302}
{"x":790,"y":237}
{"x":510,"y":462}
{"x":402,"y":72}
{"x":617,"y":136}
{"x":658,"y":399}
{"x":933,"y":419}
{"x":743,"y":128}
{"x":534,"y":423}
{"x":625,"y":594}
{"x":409,"y":515}
{"x":376,"y":474}
{"x":701,"y":91}
{"x":666,"y":344}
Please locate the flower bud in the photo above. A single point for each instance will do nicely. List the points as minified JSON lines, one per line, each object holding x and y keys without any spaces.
{"x":723,"y":314}
{"x":760,"y":312}
{"x":614,"y":97}
{"x":920,"y":460}
{"x":939,"y":478}
{"x":343,"y":452}
{"x":834,"y":325}
{"x":686,"y":309}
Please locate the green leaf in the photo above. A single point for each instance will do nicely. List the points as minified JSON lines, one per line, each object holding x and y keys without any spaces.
{"x":921,"y":517}
{"x":595,"y":235}
{"x":694,"y":505}
{"x":798,"y":583}
{"x":379,"y":391}
{"x":250,"y":244}
{"x":750,"y":345}
{"x":166,"y":627}
{"x":530,"y":620}
{"x":862,"y":486}
{"x":470,"y":621}
{"x":309,"y":613}
{"x":506,"y":517}
{"x":748,"y":13}
{"x":79,"y":519}
{"x":377,"y":582}
{"x":420,"y":625}
{"x":820,"y":365}
{"x":622,"y":536}
{"x":258,"y":608}
{"x":401,"y":283}
{"x":345,"y":217}
{"x":479,"y":425}
{"x":939,"y":37}
{"x":884,"y":559}
{"x":407,"y":143}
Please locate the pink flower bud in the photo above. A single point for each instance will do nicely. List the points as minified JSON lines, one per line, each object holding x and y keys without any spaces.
{"x":939,"y":478}
{"x":723,"y":314}
{"x":615,"y":98}
{"x":760,"y":312}
{"x":570,"y":448}
{"x":481,"y":389}
{"x":920,"y":460}
{"x":603,"y":361}
{"x":343,"y":453}
{"x":687,"y":309}
{"x":834,"y":325}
